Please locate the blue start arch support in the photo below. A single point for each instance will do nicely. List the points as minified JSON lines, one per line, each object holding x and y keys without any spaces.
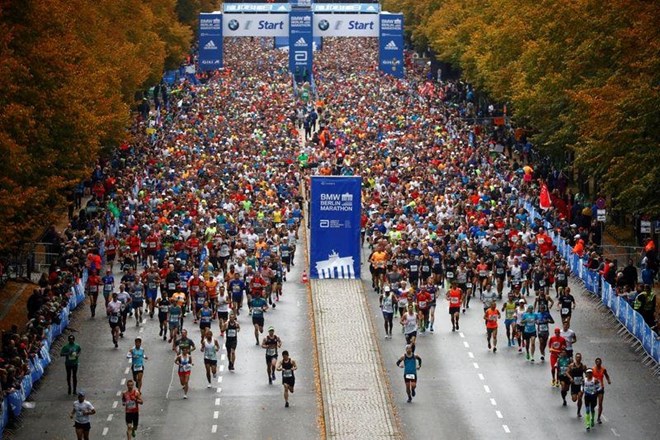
{"x":210,"y":42}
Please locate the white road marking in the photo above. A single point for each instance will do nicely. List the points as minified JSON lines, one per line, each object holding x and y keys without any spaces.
{"x":219,"y":379}
{"x":224,"y":348}
{"x":492,"y":402}
{"x":222,"y":368}
{"x":481,"y":376}
{"x":169,"y":388}
{"x":487,"y":388}
{"x":141,"y":330}
{"x":219,"y":390}
{"x":115,"y":404}
{"x":123,"y":381}
{"x":476,"y":365}
{"x":127,"y":370}
{"x":298,"y":303}
{"x":615,"y":433}
{"x":506,"y":429}
{"x":471,"y":355}
{"x":499,"y":415}
{"x":214,"y":429}
{"x":461,"y":334}
{"x":604,"y":418}
{"x":109,"y":417}
{"x":466,"y":344}
{"x":118,"y":393}
{"x":223,"y":357}
{"x":105,"y":431}
{"x":217,"y":402}
{"x":216,"y":414}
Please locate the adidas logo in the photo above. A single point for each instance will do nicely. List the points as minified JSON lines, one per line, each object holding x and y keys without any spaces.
{"x":210,"y":45}
{"x":301,"y":42}
{"x":391,"y":46}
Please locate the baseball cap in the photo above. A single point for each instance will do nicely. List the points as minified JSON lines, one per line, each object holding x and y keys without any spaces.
{"x":271,"y":328}
{"x":557,"y":330}
{"x":589,"y":370}
{"x":522,"y":301}
{"x":81,"y":393}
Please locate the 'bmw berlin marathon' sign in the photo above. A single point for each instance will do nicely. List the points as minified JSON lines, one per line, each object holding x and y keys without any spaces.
{"x":335,"y":227}
{"x":210,"y":42}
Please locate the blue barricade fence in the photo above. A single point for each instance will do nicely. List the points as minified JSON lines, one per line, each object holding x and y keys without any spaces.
{"x":596,"y":284}
{"x":14,"y":401}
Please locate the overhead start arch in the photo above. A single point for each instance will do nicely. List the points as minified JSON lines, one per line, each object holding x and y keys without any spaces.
{"x":301,"y":22}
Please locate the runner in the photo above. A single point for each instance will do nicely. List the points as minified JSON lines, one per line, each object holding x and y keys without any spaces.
{"x":163,"y":313}
{"x":411,"y":363}
{"x":124,"y":299}
{"x":570,"y":337}
{"x":93,"y":286}
{"x":184,"y":363}
{"x":211,"y":346}
{"x":563,"y":361}
{"x":80,"y":413}
{"x":205,"y":315}
{"x":455,"y":298}
{"x":509,"y":309}
{"x":287,"y":366}
{"x":379,"y":261}
{"x":565,"y":304}
{"x":137,"y":357}
{"x":557,"y":345}
{"x":174,"y":316}
{"x":423,"y":304}
{"x":601,"y":373}
{"x":529,"y":320}
{"x":576,"y":375}
{"x":131,"y":399}
{"x":544,"y":319}
{"x":222,"y":309}
{"x":259,"y":306}
{"x":520,"y":311}
{"x":114,"y":318}
{"x":409,"y":321}
{"x":387,"y":304}
{"x":137,"y":301}
{"x":271,"y":343}
{"x":71,"y":353}
{"x":231,"y":329}
{"x":491,"y":316}
{"x":151,"y":281}
{"x":591,"y":388}
{"x":108,"y":287}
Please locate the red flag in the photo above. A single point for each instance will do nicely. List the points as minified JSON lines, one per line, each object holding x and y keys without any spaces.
{"x":544,"y":199}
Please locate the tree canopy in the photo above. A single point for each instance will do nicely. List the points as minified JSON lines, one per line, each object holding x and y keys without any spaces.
{"x":68,"y":77}
{"x":582,"y":75}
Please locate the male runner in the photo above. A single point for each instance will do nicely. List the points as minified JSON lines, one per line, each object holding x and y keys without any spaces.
{"x":137,"y":357}
{"x":287,"y":366}
{"x":491,"y":316}
{"x":411,"y":363}
{"x":271,"y":343}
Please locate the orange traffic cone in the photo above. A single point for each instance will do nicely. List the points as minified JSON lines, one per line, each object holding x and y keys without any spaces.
{"x":304,"y":277}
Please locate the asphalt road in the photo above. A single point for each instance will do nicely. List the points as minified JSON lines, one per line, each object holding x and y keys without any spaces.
{"x":466,"y":391}
{"x":240,"y":405}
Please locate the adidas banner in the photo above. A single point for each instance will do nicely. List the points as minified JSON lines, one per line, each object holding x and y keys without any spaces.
{"x":335,"y":211}
{"x":210,"y":42}
{"x":256,"y":25}
{"x":301,"y":51}
{"x":346,"y":25}
{"x":390,"y":59}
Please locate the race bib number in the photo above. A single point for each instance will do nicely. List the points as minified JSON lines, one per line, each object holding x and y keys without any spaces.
{"x":114,"y":319}
{"x":483,"y":273}
{"x":500,"y":270}
{"x":138,"y":368}
{"x":565,"y":310}
{"x":93,"y":289}
{"x":287,"y":373}
{"x":107,"y":288}
{"x":453,"y":300}
{"x":422,"y":304}
{"x":271,"y":351}
{"x":450,"y":274}
{"x":200,"y":300}
{"x":468,"y":285}
{"x":131,"y":404}
{"x":231,"y":333}
{"x":577,"y":380}
{"x":542,"y":283}
{"x":171,"y":286}
{"x":561,"y":276}
{"x":185,"y":368}
{"x":410,"y":376}
{"x":543,"y":327}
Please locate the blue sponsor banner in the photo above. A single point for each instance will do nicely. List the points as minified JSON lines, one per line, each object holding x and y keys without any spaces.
{"x":281,"y":42}
{"x":301,"y":51}
{"x":390,"y":54}
{"x":335,"y":227}
{"x":210,"y":42}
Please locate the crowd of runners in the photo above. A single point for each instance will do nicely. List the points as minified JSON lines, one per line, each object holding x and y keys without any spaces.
{"x":196,"y":219}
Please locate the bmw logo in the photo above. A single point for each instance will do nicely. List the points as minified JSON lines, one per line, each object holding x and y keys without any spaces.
{"x":233,"y":24}
{"x":324,"y":25}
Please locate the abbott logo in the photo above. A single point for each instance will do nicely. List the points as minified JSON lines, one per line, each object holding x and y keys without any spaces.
{"x":391,"y":46}
{"x":210,"y":45}
{"x":324,"y":223}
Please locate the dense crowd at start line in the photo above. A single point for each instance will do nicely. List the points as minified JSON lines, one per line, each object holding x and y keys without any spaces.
{"x":201,"y":210}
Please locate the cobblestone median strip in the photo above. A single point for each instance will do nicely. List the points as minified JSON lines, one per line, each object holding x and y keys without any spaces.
{"x":354,"y":385}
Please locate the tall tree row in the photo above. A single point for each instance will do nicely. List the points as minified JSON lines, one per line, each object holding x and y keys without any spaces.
{"x":68,"y":77}
{"x":582,"y":75}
